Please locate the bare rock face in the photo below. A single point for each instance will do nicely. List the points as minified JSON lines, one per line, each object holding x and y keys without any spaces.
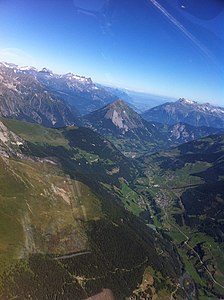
{"x":10,"y":143}
{"x":180,"y":131}
{"x":117,"y":115}
{"x":122,"y":116}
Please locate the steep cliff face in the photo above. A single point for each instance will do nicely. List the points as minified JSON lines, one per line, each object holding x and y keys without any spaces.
{"x":118,"y":116}
{"x":10,"y":143}
{"x":23,"y":97}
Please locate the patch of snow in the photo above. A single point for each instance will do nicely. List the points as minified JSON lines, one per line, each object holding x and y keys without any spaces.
{"x":27,"y":68}
{"x":187,"y":101}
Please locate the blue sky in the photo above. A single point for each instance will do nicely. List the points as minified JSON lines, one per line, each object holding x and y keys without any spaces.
{"x":152,"y":46}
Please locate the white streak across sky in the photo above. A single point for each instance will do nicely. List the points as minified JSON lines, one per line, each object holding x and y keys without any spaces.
{"x":179,"y":26}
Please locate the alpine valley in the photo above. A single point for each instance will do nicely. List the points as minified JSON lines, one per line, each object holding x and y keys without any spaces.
{"x":100,"y":202}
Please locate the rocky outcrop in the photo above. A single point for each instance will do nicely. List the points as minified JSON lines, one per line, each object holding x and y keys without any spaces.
{"x":10,"y":143}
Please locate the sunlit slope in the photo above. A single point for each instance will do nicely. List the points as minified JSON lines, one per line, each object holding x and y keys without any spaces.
{"x":38,"y":207}
{"x":65,"y":231}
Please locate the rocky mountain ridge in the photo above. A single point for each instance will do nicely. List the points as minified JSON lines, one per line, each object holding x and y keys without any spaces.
{"x":187,"y":111}
{"x":79,"y":92}
{"x":119,"y":122}
{"x":23,"y":97}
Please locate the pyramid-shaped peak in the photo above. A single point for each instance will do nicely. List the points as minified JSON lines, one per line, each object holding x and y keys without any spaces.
{"x":119,"y":102}
{"x":120,"y":106}
{"x":118,"y":113}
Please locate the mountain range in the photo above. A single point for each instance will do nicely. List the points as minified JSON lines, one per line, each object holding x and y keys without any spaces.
{"x":77,"y":93}
{"x":186,"y":111}
{"x":58,"y":100}
{"x":23,"y":97}
{"x":133,"y":135}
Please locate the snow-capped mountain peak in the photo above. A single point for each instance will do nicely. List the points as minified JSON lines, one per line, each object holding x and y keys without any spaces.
{"x":17,"y":68}
{"x":27,"y":68}
{"x":187,"y":111}
{"x":187,"y":101}
{"x":78,"y":78}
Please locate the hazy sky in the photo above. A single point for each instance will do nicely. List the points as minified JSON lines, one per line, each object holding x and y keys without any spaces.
{"x":149,"y":45}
